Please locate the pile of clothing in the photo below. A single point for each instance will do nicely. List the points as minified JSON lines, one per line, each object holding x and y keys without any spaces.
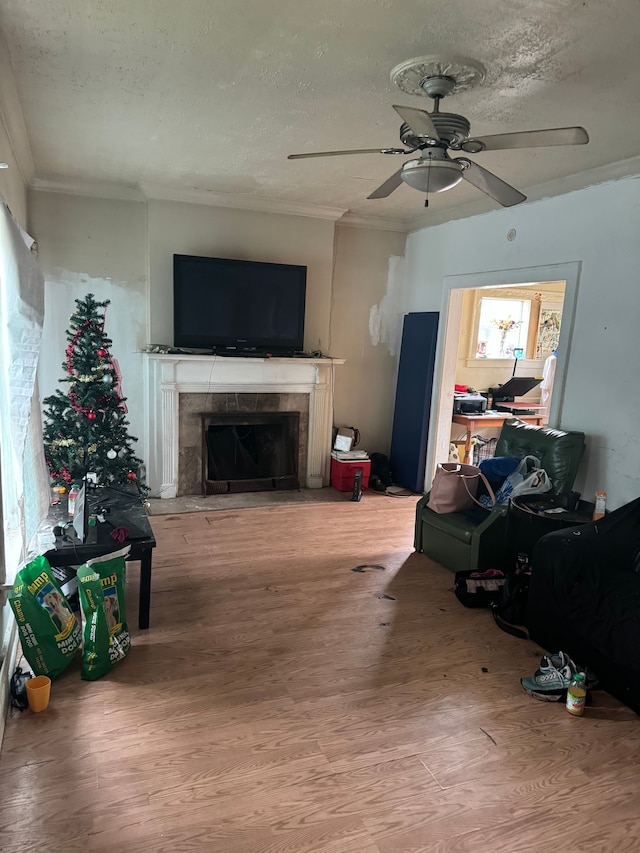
{"x":511,"y":477}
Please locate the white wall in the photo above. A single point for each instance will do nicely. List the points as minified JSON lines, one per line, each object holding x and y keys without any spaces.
{"x":366,"y":327}
{"x":597,"y":227}
{"x":357,"y":295}
{"x":192,"y":229}
{"x":11,"y":184}
{"x":88,"y":245}
{"x":12,"y":181}
{"x":123,"y":251}
{"x":12,"y":187}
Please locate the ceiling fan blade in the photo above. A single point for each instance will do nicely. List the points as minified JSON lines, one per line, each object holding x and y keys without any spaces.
{"x":388,"y":187}
{"x":491,"y":184}
{"x":418,"y":120}
{"x":352,"y":151}
{"x":527,"y":139}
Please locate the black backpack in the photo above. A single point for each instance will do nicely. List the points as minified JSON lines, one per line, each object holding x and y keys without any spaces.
{"x":509,"y":612}
{"x":380,"y":474}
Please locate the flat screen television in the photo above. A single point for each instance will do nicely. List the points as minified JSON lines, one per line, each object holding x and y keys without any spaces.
{"x":227,"y":305}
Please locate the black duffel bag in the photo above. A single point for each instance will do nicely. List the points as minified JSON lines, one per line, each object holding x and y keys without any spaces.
{"x":474,"y":588}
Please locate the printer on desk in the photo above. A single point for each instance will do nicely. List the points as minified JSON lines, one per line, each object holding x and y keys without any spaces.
{"x":517,"y":386}
{"x":468,"y":403}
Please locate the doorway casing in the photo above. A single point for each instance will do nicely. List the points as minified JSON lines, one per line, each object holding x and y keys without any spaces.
{"x":447,"y":349}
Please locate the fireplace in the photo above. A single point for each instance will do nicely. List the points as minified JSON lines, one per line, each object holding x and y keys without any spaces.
{"x":249,"y":452}
{"x":196,"y":412}
{"x":182,"y":389}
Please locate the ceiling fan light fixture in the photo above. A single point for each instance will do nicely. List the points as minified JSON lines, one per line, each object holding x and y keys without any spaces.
{"x":428,"y":175}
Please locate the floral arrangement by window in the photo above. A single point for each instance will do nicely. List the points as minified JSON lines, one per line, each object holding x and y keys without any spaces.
{"x":504,"y":327}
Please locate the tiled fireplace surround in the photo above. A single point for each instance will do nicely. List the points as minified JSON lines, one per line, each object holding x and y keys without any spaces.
{"x":182,"y":388}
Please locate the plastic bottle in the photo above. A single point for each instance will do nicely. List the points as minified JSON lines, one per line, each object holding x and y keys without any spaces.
{"x":600,"y":506}
{"x":73,"y":494}
{"x":576,"y":695}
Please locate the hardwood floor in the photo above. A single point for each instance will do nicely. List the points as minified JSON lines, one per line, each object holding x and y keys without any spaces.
{"x":282,"y":703}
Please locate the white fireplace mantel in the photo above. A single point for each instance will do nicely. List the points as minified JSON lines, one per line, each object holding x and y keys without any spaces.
{"x":168,"y":376}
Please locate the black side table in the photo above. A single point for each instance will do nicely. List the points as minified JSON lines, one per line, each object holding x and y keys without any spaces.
{"x":125,"y":510}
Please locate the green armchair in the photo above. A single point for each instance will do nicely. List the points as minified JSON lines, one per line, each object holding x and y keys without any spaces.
{"x":458,"y":543}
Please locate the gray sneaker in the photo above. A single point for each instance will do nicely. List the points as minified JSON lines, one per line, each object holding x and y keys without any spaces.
{"x":550,"y":685}
{"x":555,"y":661}
{"x":560,"y":660}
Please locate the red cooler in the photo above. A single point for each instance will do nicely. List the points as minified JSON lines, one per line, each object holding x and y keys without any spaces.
{"x":342,"y":473}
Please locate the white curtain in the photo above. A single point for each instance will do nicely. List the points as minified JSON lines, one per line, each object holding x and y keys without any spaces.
{"x":25,"y":481}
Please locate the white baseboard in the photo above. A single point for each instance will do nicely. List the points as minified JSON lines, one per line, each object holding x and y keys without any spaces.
{"x":6,"y":671}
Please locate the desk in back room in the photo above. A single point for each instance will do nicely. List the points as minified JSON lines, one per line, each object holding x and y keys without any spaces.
{"x":489,"y":419}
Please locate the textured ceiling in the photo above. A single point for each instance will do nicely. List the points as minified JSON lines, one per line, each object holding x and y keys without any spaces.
{"x":211,"y":95}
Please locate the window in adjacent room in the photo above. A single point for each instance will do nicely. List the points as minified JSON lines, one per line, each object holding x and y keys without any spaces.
{"x":503,"y":327}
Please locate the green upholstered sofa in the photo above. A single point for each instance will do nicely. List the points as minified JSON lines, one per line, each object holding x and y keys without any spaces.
{"x":457,"y":542}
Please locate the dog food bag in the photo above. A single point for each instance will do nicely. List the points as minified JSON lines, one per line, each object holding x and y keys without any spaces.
{"x":50,"y":634}
{"x":101,"y":584}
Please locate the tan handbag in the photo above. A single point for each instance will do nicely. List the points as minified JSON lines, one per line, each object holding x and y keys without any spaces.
{"x":455,"y":486}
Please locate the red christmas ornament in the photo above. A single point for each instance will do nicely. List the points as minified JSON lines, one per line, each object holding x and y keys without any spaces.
{"x":91,"y":416}
{"x":131,"y":476}
{"x":101,"y":352}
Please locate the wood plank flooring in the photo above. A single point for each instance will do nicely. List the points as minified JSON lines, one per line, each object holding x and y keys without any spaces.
{"x":280,"y":704}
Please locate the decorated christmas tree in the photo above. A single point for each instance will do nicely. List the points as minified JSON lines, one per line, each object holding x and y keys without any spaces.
{"x":85,"y":430}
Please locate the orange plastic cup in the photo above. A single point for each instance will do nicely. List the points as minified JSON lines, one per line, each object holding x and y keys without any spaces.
{"x":38,"y":691}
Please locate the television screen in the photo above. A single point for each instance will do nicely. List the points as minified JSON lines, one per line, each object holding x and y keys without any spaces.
{"x":223,"y":304}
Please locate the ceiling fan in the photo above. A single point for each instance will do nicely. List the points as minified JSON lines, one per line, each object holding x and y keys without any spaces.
{"x":434,"y":134}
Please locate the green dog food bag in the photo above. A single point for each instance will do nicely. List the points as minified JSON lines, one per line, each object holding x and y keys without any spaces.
{"x":50,"y":634}
{"x":101,"y":584}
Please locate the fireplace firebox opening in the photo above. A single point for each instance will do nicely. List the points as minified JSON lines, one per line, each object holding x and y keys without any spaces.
{"x":249,"y":452}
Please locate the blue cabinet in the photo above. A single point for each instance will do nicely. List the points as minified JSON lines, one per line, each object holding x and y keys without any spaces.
{"x":412,"y":411}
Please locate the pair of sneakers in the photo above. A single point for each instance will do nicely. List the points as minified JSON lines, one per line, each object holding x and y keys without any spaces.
{"x":549,"y":683}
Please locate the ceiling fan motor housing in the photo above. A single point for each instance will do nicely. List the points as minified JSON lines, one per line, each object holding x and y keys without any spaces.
{"x":452,"y":129}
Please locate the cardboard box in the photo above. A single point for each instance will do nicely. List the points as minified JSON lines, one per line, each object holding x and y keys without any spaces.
{"x":344,"y":439}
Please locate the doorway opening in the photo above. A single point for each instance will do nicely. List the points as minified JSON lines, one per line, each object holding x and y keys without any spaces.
{"x":465,"y":353}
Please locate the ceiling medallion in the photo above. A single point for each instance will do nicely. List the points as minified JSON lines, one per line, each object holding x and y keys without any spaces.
{"x":410,"y":76}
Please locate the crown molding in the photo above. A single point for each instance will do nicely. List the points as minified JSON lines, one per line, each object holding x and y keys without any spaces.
{"x":108,"y":191}
{"x":159,"y":192}
{"x":241,"y":202}
{"x":450,"y":214}
{"x":12,"y":118}
{"x":590,"y":178}
{"x":143,"y":192}
{"x":378,"y":223}
{"x":551,"y":189}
